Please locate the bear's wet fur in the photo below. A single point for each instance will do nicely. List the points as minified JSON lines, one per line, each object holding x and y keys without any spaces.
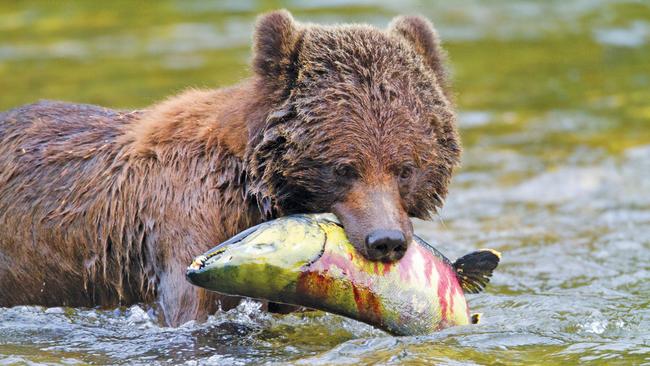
{"x":106,"y":208}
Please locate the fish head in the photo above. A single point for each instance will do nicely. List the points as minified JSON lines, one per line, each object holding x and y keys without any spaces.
{"x":263,"y":257}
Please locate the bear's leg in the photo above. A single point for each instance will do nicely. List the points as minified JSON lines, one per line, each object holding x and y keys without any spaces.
{"x":181,"y":301}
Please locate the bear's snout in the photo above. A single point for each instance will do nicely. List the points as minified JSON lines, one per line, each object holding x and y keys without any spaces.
{"x":386,"y":245}
{"x":375,"y":221}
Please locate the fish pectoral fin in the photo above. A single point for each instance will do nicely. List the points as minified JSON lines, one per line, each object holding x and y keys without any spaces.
{"x":475,"y":269}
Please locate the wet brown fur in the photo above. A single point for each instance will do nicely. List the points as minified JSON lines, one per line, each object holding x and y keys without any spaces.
{"x":102,"y":207}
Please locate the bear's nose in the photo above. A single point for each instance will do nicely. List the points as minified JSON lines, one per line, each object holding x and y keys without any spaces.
{"x":385,"y":245}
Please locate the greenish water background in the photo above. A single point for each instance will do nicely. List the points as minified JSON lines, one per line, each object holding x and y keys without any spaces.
{"x":553,"y":101}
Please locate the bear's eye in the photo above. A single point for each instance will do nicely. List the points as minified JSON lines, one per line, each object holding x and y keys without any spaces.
{"x":345,"y":171}
{"x":405,"y":172}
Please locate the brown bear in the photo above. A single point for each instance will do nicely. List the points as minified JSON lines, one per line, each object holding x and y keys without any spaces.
{"x":103,"y":207}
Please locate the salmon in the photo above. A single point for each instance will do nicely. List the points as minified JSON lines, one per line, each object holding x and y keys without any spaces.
{"x":307,"y":260}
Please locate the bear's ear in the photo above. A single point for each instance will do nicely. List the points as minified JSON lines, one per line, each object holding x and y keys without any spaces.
{"x":419,"y":32}
{"x":275,"y":47}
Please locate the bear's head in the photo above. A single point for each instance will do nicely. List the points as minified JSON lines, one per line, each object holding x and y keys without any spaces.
{"x":359,"y":124}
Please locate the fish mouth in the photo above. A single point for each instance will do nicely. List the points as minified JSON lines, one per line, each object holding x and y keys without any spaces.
{"x":196,"y":269}
{"x":199,"y":264}
{"x":197,"y":273}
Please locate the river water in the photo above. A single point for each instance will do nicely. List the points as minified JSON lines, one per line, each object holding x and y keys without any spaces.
{"x":554,"y":106}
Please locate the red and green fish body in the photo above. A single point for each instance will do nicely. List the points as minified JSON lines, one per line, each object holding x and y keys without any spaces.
{"x":387,"y":295}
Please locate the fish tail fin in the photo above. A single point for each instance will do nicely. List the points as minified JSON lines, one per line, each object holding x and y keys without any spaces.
{"x":475,"y":269}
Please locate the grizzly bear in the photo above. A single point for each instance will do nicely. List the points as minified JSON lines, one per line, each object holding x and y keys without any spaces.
{"x":107,"y":208}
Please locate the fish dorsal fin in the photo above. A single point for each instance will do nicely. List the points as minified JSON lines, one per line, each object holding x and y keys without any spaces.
{"x":475,"y":269}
